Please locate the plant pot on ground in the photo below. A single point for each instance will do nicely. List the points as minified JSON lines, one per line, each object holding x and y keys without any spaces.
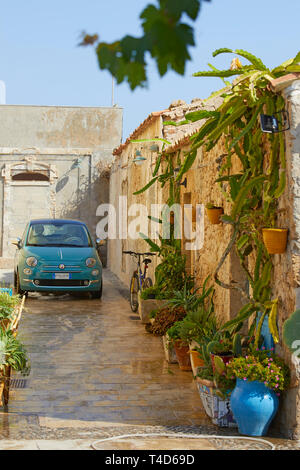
{"x":164,"y":318}
{"x":261,"y":377}
{"x":275,"y":239}
{"x":196,"y":361}
{"x":169,"y":350}
{"x":214,"y":213}
{"x":147,"y":306}
{"x":181,"y":347}
{"x":215,"y":397}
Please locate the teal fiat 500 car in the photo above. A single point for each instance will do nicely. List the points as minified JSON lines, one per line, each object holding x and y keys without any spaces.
{"x":57,"y":255}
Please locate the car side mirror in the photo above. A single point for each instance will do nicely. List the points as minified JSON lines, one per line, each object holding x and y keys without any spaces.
{"x":17,"y":242}
{"x":100,"y":242}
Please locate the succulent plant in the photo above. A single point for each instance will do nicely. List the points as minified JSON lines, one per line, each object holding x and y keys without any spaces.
{"x":291,"y":333}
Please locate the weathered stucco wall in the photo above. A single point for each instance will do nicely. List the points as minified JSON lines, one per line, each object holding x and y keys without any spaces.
{"x":73,"y":145}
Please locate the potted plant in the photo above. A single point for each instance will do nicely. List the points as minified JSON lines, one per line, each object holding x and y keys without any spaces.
{"x":151,"y":292}
{"x":12,"y":356}
{"x":9,"y":305}
{"x":260,"y":378}
{"x":275,"y":239}
{"x":181,"y":347}
{"x":214,"y":213}
{"x":225,"y":346}
{"x":214,"y":389}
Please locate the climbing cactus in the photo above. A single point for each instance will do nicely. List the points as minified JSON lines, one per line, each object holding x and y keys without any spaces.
{"x":291,"y":333}
{"x":237,"y":345}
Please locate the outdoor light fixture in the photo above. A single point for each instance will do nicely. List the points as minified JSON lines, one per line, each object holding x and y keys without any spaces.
{"x":184,"y":182}
{"x":273,"y":125}
{"x":139,"y":159}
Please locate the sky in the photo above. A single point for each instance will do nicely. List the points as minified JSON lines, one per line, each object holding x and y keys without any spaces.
{"x":42,"y":65}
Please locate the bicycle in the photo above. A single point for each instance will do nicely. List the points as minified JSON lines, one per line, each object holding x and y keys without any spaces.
{"x":139,"y":280}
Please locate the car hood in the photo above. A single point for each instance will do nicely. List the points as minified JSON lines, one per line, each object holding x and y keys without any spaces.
{"x":60,"y":254}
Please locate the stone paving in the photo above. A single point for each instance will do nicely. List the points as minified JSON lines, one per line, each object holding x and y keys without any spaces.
{"x":97,"y":373}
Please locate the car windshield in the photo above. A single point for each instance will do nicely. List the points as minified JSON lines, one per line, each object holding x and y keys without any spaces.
{"x":58,"y":234}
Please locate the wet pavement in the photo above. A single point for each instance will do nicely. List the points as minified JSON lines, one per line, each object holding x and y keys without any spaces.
{"x":97,"y":373}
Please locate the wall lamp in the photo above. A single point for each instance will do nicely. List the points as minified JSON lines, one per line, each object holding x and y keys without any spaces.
{"x":139,"y":159}
{"x":272,"y":125}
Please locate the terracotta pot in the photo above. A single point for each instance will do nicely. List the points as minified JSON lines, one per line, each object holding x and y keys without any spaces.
{"x":183,"y":355}
{"x":196,"y":360}
{"x":214,"y":215}
{"x":275,"y":239}
{"x":226,"y":357}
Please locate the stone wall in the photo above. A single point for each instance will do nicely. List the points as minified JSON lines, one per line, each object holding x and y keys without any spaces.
{"x":201,"y":189}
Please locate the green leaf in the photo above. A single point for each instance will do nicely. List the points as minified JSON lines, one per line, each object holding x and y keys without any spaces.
{"x":219,"y":73}
{"x":243,"y":193}
{"x":148,"y":185}
{"x":188,"y":162}
{"x":281,"y":186}
{"x":136,"y":141}
{"x":201,"y":114}
{"x":252,"y":58}
{"x":221,"y":51}
{"x":154,"y":247}
{"x":247,"y":128}
{"x":242,"y":241}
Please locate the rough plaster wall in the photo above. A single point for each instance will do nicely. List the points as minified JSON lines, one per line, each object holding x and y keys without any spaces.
{"x":58,"y":126}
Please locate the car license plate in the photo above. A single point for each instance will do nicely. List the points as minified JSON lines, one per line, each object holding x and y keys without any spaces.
{"x":62,"y":276}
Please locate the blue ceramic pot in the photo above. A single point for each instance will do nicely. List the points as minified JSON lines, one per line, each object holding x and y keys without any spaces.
{"x":254,"y":406}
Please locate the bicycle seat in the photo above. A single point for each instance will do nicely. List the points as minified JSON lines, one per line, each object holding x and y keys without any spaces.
{"x":147,"y":261}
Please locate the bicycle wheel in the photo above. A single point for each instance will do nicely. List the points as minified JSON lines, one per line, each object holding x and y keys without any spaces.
{"x":147,"y":283}
{"x":134,"y":289}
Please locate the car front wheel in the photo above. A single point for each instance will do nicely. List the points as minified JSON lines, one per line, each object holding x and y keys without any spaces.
{"x":97,"y":294}
{"x":18,"y":289}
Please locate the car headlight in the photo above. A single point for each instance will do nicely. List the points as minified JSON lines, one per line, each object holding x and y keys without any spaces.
{"x":90,"y":262}
{"x":27,"y":271}
{"x":31,"y":261}
{"x":95,"y":272}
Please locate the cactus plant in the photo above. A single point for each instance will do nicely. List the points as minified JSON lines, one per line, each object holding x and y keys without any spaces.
{"x":291,"y":333}
{"x":237,"y":345}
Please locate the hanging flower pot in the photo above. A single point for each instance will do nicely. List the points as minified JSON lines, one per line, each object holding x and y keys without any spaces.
{"x":275,"y":239}
{"x":214,"y":213}
{"x":254,"y":406}
{"x":182,"y":351}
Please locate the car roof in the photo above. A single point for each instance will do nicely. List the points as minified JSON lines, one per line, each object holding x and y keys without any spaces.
{"x":63,"y":221}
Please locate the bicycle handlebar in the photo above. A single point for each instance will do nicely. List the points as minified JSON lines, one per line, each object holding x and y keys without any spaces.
{"x":138,"y":254}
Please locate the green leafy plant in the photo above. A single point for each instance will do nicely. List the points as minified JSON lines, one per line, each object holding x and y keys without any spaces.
{"x":8,"y":303}
{"x":174,"y":333}
{"x":254,"y":191}
{"x":291,"y":332}
{"x":263,"y":366}
{"x":165,"y":37}
{"x":13,"y":353}
{"x":153,"y":291}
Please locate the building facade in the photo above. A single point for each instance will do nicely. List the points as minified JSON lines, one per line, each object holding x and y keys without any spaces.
{"x":54,"y":162}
